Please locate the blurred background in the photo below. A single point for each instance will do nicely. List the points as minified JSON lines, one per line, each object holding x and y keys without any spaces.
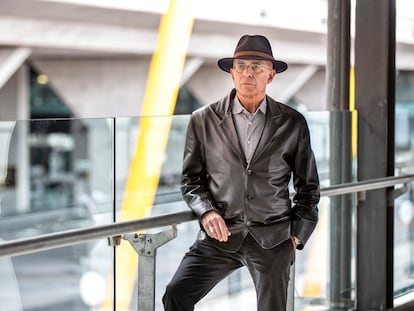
{"x":95,"y":96}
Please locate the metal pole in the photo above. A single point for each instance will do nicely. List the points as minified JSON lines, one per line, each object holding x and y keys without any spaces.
{"x":337,"y":73}
{"x":374,"y":94}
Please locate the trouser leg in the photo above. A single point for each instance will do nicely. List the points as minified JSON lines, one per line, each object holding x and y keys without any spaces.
{"x":270,"y":272}
{"x":199,"y":271}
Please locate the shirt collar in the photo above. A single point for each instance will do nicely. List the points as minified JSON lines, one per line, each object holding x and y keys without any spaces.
{"x":238,"y":108}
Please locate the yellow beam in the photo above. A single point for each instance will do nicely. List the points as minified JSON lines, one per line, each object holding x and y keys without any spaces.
{"x":353,"y":111}
{"x":158,"y":105}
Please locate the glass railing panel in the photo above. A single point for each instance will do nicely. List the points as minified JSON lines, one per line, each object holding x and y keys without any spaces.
{"x":311,"y":287}
{"x":9,"y":287}
{"x":56,"y":175}
{"x":149,"y":154}
{"x":325,"y":269}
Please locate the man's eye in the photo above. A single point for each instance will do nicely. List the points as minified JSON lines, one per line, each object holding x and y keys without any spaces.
{"x":255,"y":67}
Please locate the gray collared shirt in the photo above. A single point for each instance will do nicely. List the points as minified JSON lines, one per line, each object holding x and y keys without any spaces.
{"x":249,"y":126}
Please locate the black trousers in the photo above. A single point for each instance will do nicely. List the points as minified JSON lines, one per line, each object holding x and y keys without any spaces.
{"x":205,"y":265}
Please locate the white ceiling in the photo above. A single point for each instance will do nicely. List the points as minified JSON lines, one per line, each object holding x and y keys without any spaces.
{"x":103,"y":28}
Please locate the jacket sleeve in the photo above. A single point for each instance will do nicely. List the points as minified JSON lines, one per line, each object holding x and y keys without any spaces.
{"x":306,"y":184}
{"x":194,"y":176}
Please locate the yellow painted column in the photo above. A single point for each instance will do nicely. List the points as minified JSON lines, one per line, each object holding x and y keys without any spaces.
{"x":158,"y":106}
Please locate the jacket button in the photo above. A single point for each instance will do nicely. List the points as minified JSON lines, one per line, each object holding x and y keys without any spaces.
{"x":248,"y":172}
{"x":248,"y":197}
{"x":248,"y":223}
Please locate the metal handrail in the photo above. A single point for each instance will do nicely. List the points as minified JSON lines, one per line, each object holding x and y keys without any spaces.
{"x":76,"y":236}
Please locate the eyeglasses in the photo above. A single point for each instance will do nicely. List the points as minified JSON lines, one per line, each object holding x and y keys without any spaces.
{"x":256,"y":68}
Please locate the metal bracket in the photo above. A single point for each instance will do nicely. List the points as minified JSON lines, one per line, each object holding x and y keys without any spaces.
{"x":146,"y":246}
{"x":361,"y":196}
{"x":396,"y":193}
{"x":114,"y":240}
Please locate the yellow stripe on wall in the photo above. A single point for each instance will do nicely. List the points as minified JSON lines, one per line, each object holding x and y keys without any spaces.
{"x":158,"y":105}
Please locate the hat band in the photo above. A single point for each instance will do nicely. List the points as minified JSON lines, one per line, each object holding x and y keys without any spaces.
{"x":253,"y":53}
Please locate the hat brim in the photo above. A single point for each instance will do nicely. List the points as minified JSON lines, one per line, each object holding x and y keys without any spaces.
{"x":227,"y":63}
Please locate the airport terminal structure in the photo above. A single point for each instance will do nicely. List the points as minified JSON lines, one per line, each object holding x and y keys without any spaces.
{"x":95,"y":96}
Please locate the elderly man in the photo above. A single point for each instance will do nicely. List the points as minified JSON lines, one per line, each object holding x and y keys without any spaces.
{"x":240,"y":155}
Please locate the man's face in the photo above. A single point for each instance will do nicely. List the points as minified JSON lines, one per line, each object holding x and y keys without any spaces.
{"x":251,"y":77}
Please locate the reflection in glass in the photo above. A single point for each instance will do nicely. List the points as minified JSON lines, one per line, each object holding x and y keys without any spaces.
{"x":56,"y":175}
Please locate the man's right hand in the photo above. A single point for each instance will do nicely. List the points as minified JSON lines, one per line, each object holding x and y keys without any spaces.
{"x":215,"y":226}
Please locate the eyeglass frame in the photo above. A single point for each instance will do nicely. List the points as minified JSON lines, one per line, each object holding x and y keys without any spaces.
{"x":259,"y":67}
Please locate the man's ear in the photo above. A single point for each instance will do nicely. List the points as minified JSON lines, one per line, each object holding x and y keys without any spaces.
{"x":272,"y":75}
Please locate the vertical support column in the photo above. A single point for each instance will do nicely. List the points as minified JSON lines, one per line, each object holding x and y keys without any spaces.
{"x":375,"y":102}
{"x":337,"y":73}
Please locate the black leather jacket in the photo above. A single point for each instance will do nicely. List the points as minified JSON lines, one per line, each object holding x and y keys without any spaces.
{"x":252,"y":198}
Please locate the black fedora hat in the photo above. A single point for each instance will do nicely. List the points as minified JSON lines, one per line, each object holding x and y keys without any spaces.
{"x":252,"y":47}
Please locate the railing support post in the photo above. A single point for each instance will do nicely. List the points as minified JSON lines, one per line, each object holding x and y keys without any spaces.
{"x":146,"y":246}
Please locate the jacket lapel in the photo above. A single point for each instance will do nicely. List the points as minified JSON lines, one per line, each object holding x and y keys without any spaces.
{"x":228,"y":128}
